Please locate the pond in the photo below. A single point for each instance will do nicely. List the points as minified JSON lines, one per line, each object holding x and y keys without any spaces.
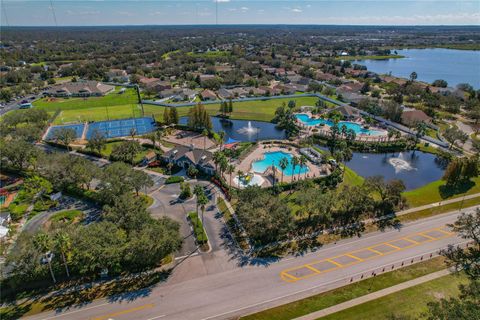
{"x":453,"y":66}
{"x":244,"y":130}
{"x":415,"y":169}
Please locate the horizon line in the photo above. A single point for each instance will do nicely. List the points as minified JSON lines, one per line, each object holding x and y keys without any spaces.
{"x":243,"y":24}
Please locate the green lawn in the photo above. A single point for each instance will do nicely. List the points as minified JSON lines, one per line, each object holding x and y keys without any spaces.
{"x":351,"y":178}
{"x":342,"y":294}
{"x":118,"y":106}
{"x":437,"y":191}
{"x":113,"y":106}
{"x":67,"y":216}
{"x":409,"y":302}
{"x":110,"y":145}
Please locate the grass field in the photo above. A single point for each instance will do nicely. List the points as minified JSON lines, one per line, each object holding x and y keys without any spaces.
{"x":409,"y":302}
{"x":336,"y":296}
{"x":113,"y":106}
{"x":116,"y":106}
{"x":437,"y":191}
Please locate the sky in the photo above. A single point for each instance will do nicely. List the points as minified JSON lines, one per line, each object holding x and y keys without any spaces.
{"x":187,"y":12}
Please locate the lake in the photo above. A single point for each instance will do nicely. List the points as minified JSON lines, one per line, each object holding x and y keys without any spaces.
{"x":240,"y":129}
{"x":453,"y":66}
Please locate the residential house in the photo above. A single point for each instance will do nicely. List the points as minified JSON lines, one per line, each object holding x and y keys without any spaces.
{"x":348,"y":112}
{"x":146,"y":81}
{"x":184,"y":156}
{"x":208,"y":95}
{"x":412,"y":117}
{"x":80,"y":89}
{"x":224,"y":94}
{"x":117,"y":75}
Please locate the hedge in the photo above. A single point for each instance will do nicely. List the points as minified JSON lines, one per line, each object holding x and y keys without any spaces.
{"x":198,"y":229}
{"x":174,"y":179}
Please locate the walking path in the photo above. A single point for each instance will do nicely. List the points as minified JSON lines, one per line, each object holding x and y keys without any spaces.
{"x":374,"y":295}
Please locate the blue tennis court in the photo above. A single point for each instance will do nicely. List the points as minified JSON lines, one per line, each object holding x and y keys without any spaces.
{"x":121,"y":128}
{"x":77,"y":127}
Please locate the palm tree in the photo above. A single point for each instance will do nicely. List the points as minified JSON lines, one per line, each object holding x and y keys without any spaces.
{"x":295,"y":161}
{"x":63,"y":244}
{"x":230,"y":170}
{"x":283,"y":165}
{"x":217,"y":158}
{"x":240,"y":175}
{"x":198,"y":191}
{"x":221,"y":136}
{"x":302,"y":162}
{"x":390,"y":133}
{"x":223,"y":165}
{"x":202,"y":201}
{"x":43,"y":243}
{"x":204,"y":134}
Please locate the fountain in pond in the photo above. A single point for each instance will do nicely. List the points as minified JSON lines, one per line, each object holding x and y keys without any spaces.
{"x":248,"y":129}
{"x":399,"y":164}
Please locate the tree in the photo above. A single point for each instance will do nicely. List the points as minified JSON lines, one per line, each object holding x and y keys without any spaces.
{"x":43,"y":243}
{"x":266,"y":217}
{"x":97,"y":142}
{"x":283,"y":165}
{"x":221,"y":137}
{"x":65,"y":136}
{"x":6,"y":94}
{"x":20,"y":154}
{"x":127,"y":212}
{"x":453,"y":134}
{"x":474,"y":114}
{"x":166,"y":116}
{"x":185,"y":192}
{"x":138,"y":180}
{"x":440,"y":83}
{"x":295,"y":161}
{"x":198,"y":118}
{"x":413,"y":76}
{"x":230,"y":171}
{"x":302,"y":162}
{"x":230,"y":106}
{"x":63,"y":244}
{"x":37,"y":186}
{"x":192,"y":171}
{"x":126,"y":151}
{"x":292,"y":104}
{"x":420,"y":130}
{"x":173,"y":118}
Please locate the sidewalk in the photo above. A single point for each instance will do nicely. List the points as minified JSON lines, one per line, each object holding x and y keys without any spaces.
{"x":374,"y":295}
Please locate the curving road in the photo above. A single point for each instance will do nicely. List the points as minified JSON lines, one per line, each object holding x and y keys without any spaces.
{"x":237,"y":288}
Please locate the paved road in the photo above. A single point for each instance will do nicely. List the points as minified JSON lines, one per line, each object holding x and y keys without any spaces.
{"x":244,"y":287}
{"x":16,"y":104}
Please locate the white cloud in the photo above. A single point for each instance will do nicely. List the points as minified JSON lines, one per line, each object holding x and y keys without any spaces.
{"x":297,"y":10}
{"x":244,"y":9}
{"x":220,"y":1}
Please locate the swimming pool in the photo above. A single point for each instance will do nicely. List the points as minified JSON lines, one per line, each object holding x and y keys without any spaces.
{"x":306,"y":120}
{"x":274,"y":158}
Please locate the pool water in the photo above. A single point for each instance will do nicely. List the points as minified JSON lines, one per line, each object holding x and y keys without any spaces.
{"x":306,"y":120}
{"x":274,"y":158}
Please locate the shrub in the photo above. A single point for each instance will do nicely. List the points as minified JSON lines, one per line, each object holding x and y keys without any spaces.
{"x":174,"y":179}
{"x":198,"y":230}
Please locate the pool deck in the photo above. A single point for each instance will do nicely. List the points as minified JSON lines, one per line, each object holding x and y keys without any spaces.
{"x":257,"y":154}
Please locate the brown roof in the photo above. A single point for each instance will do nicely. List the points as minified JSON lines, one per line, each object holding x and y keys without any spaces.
{"x":413,"y":116}
{"x":208,"y":94}
{"x":81,"y":87}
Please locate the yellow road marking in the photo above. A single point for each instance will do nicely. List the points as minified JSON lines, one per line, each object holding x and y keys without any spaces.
{"x":312,"y":268}
{"x":356,"y":258}
{"x":285,"y":276}
{"x":413,"y":241}
{"x":335,"y":263}
{"x":373,"y":250}
{"x":124,"y":312}
{"x":391,"y":245}
{"x":427,"y":236}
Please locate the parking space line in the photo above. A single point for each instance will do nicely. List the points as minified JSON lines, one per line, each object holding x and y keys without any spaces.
{"x":285,"y":276}
{"x":312,"y":268}
{"x":373,"y":250}
{"x":333,"y":262}
{"x":356,"y":258}
{"x":413,"y":241}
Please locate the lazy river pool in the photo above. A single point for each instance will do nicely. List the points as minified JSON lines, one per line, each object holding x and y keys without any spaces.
{"x":308,"y":121}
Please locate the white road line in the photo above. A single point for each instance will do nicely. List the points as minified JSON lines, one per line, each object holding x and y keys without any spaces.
{"x":79,"y":310}
{"x":158,"y":317}
{"x":323,"y":284}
